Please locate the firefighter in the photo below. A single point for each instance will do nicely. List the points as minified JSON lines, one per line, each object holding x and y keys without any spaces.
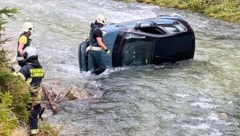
{"x":33,"y":73}
{"x":95,"y":63}
{"x":24,"y":41}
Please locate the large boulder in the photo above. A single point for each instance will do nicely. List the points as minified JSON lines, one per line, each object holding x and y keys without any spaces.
{"x":77,"y":93}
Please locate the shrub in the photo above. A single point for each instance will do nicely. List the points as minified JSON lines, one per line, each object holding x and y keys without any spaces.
{"x":7,"y":119}
{"x":14,"y":94}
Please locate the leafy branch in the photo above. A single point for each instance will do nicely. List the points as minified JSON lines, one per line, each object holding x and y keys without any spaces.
{"x":5,"y":13}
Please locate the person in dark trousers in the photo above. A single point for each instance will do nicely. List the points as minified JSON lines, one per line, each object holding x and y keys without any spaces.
{"x":33,"y":73}
{"x":24,"y":41}
{"x":97,"y":46}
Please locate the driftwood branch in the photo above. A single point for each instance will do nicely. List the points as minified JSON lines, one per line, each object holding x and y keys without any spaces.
{"x":52,"y":97}
{"x":48,"y":95}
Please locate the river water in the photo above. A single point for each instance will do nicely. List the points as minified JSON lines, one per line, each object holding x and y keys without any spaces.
{"x":198,"y":97}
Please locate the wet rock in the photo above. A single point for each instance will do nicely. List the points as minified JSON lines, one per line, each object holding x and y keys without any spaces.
{"x":77,"y":93}
{"x":223,"y":115}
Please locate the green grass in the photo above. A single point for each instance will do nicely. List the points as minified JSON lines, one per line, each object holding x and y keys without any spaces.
{"x":228,"y":10}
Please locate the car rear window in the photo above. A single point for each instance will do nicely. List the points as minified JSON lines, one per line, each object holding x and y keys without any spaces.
{"x":176,"y":27}
{"x":152,"y":30}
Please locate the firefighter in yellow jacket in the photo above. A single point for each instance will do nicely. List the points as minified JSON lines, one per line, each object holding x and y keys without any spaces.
{"x":24,"y":41}
{"x":33,"y":73}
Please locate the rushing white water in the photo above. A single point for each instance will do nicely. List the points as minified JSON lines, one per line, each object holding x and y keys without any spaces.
{"x":196,"y":97}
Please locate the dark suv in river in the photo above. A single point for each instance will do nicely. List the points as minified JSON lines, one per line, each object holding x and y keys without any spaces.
{"x":163,"y":39}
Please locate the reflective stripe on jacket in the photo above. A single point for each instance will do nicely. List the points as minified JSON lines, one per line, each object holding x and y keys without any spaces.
{"x":35,"y":88}
{"x":33,"y":78}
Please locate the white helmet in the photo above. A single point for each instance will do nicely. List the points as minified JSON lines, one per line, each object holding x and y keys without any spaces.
{"x":30,"y":52}
{"x":27,"y":27}
{"x":101,"y":19}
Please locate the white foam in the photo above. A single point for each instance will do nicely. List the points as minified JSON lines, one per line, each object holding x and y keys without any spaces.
{"x":203,"y":105}
{"x":202,"y":126}
{"x":182,"y":95}
{"x":213,"y":116}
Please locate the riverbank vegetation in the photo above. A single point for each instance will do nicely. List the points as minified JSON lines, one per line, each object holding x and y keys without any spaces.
{"x":13,"y":92}
{"x":14,"y":95}
{"x":228,"y":10}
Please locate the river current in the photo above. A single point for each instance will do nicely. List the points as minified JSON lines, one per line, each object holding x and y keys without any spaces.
{"x":198,"y":97}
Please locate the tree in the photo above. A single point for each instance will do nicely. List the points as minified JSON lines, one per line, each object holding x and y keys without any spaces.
{"x":5,"y":12}
{"x":14,"y":94}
